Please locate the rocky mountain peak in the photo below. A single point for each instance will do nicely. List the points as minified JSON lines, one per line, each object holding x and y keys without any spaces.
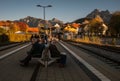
{"x":105,"y":15}
{"x":93,"y":13}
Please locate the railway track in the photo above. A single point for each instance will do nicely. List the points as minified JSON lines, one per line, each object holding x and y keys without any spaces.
{"x":104,"y":54}
{"x":4,"y":47}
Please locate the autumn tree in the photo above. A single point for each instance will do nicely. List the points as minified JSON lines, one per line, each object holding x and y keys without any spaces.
{"x":2,"y":31}
{"x":94,"y":26}
{"x":115,"y":24}
{"x":22,"y":26}
{"x":13,"y":28}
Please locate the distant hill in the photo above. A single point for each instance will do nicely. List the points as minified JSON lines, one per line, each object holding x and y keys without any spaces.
{"x":34,"y":22}
{"x":31,"y":21}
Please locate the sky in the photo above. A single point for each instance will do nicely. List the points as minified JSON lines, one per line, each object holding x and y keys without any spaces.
{"x":64,"y":10}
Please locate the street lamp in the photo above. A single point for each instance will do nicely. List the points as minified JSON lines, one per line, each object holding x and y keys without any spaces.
{"x":44,"y":9}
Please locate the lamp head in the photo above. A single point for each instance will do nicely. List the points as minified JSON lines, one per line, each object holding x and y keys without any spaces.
{"x":38,"y":5}
{"x":49,"y":6}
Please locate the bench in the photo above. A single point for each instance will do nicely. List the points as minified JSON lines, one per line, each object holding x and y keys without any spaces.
{"x":46,"y":58}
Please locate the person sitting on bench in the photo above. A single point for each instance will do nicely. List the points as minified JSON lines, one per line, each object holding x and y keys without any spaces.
{"x":53,"y":50}
{"x":35,"y":51}
{"x":56,"y":53}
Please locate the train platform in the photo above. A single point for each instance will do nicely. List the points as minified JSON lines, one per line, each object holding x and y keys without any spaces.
{"x":79,"y":67}
{"x":71,"y":72}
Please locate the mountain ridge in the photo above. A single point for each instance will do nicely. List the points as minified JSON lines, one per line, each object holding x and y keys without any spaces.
{"x":103,"y":15}
{"x":35,"y":22}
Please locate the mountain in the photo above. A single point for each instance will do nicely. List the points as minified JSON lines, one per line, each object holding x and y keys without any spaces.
{"x":105,"y":15}
{"x":56,"y":21}
{"x":31,"y":21}
{"x":34,"y":22}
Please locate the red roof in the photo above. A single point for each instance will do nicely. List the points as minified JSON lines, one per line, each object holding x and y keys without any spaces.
{"x":31,"y":29}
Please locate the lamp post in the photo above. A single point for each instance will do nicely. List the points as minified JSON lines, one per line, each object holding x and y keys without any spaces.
{"x":44,"y":11}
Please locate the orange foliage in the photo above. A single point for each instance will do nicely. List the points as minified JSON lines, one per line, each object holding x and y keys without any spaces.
{"x":18,"y":26}
{"x":5,"y":23}
{"x":22,"y":26}
{"x":31,"y":29}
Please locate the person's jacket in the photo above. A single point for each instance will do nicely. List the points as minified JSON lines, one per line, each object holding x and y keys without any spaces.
{"x":37,"y":48}
{"x":54,"y":51}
